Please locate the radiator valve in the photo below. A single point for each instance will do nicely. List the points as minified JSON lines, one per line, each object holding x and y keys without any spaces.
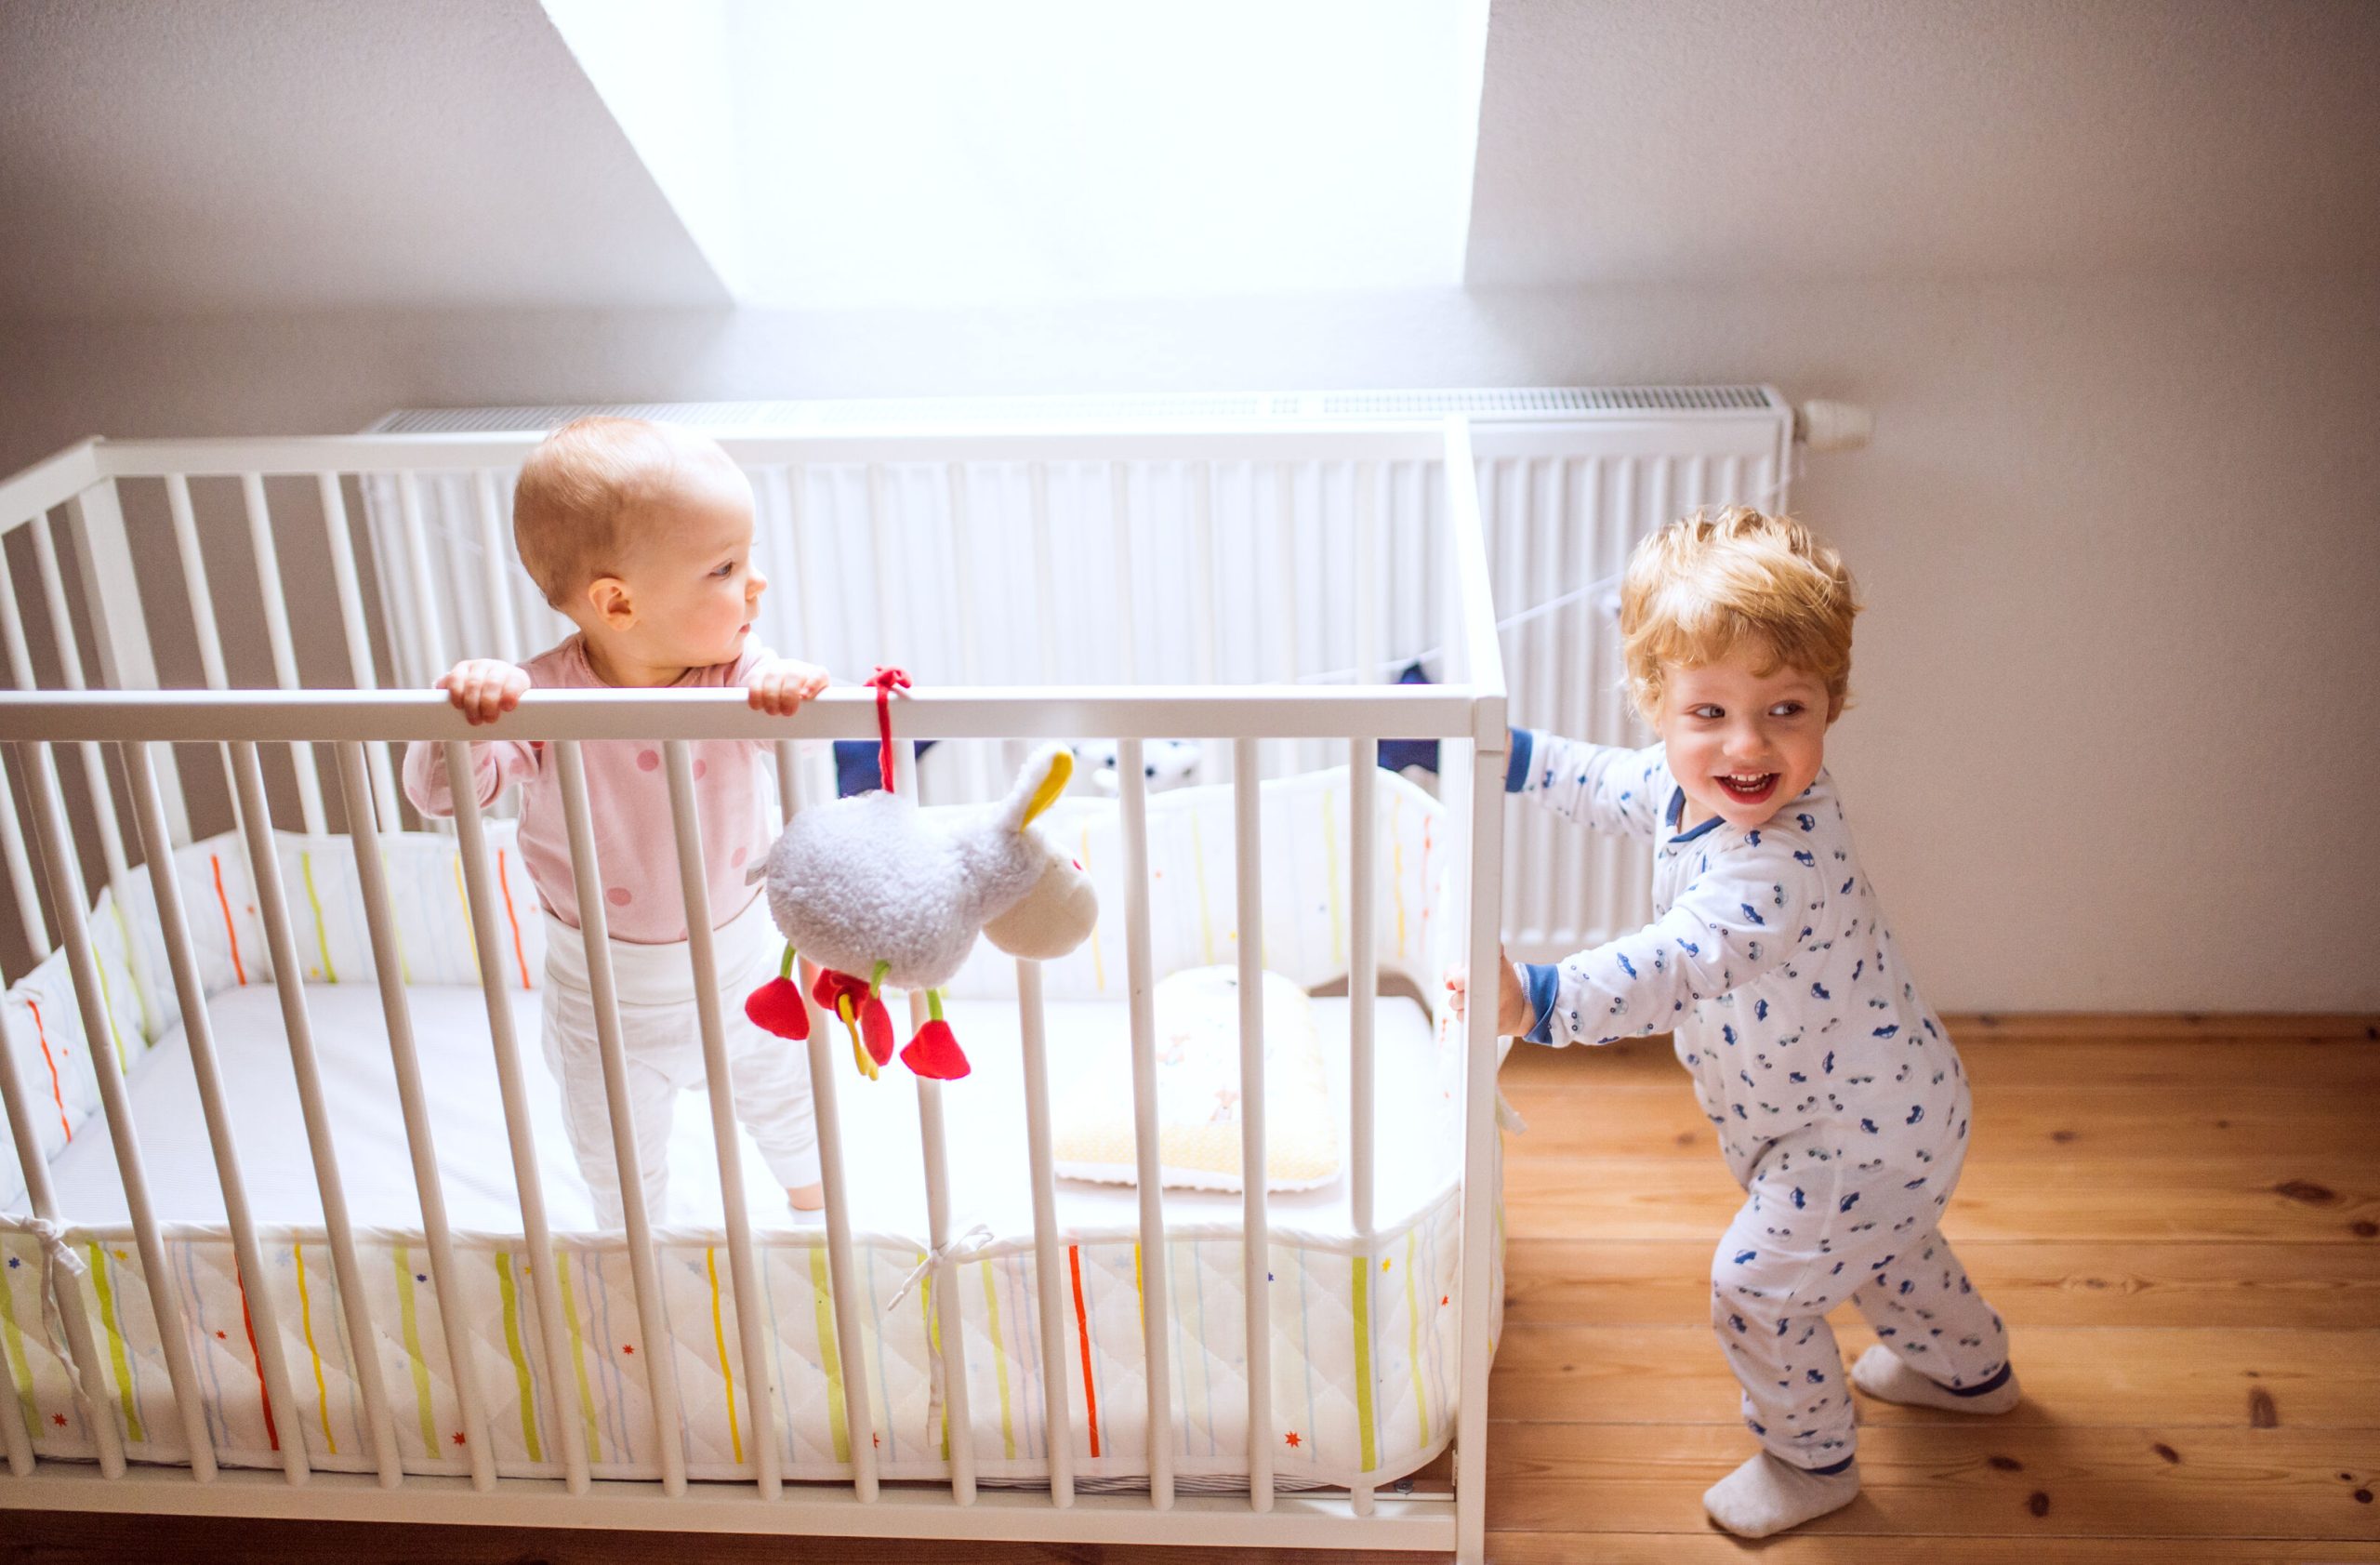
{"x":1833,"y":426}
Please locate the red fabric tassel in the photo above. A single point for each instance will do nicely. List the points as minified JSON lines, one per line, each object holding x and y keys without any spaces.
{"x":934,"y":1053}
{"x":777,"y":1007}
{"x":876,"y":1030}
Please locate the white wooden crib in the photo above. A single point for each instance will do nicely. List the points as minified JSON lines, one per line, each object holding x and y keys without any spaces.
{"x":1036,"y":593}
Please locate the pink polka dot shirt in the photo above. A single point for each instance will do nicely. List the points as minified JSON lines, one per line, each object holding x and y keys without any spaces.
{"x":627,"y":796}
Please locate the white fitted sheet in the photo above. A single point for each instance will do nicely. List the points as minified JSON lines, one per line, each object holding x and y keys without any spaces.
{"x":1418,"y":1132}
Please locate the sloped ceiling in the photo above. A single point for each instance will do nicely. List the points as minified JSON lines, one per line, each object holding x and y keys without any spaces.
{"x":1717,"y":140}
{"x":221,"y":156}
{"x":196,"y":156}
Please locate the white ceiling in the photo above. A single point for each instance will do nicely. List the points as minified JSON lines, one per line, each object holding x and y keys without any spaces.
{"x":206,"y":156}
{"x":174,"y":156}
{"x":1729,"y":140}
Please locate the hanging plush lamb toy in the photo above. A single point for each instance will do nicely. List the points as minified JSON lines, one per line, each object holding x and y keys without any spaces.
{"x":875,"y":884}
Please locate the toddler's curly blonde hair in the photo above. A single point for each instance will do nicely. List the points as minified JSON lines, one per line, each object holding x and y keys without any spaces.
{"x":1717,"y":580}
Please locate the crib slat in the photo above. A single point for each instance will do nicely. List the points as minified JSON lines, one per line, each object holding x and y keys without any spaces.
{"x":201,"y":595}
{"x":661,"y":1374}
{"x":1202,"y":589}
{"x":843,"y":1274}
{"x":20,"y":864}
{"x":880,"y":552}
{"x":544,"y":1261}
{"x":95,"y":770}
{"x":194,"y":581}
{"x":288,"y":969}
{"x":108,"y":1067}
{"x":1247,"y":806}
{"x":806,"y":584}
{"x":284,"y":653}
{"x":1363,"y":991}
{"x":843,"y":1279}
{"x":1156,"y":1298}
{"x":430,"y":650}
{"x":380,"y":923}
{"x":1285,"y":541}
{"x":788,"y":780}
{"x":934,"y":1140}
{"x":198,"y":1031}
{"x":1045,"y":569}
{"x":119,"y":627}
{"x":840,"y":1266}
{"x":752,"y":1311}
{"x":1048,"y":1274}
{"x":21,"y":873}
{"x":92,"y":1392}
{"x":1120,"y":512}
{"x":1371,"y":527}
{"x":358,"y":632}
{"x":980,"y":784}
{"x":942,"y":1277}
{"x":494,"y":550}
{"x":91,"y":1389}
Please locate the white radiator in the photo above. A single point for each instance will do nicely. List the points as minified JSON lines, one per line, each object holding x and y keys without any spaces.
{"x":942,"y":568}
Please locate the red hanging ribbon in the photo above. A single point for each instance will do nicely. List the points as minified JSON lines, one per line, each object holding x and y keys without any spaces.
{"x":884,"y":681}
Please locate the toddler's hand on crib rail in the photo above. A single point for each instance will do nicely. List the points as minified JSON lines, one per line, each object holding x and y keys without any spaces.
{"x":1511,"y":996}
{"x":780,"y":685}
{"x":483,"y":689}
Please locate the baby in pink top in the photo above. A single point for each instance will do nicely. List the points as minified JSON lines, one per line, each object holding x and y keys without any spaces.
{"x":641,"y":535}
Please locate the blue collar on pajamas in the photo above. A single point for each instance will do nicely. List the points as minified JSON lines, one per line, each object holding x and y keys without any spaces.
{"x":1677,"y":810}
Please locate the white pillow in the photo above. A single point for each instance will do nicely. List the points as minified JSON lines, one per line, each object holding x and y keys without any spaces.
{"x":1197,"y":1087}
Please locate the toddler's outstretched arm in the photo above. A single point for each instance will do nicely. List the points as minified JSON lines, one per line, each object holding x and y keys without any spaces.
{"x":1605,"y":786}
{"x":1744,"y":915}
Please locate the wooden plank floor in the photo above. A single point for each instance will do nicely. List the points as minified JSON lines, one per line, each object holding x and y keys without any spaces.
{"x":2178,"y":1217}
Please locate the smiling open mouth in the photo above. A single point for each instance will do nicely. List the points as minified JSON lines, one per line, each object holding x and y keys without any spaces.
{"x":1747,"y":788}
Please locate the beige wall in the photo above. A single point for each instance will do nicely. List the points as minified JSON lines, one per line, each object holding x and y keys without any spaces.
{"x":2116,"y":730}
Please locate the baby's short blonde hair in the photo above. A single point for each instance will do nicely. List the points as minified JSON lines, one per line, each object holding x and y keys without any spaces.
{"x":581,"y":488}
{"x":1717,"y":580}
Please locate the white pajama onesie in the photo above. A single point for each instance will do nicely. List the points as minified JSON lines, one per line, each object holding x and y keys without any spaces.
{"x":1839,"y":1101}
{"x":636,"y":848}
{"x":661,"y":1042}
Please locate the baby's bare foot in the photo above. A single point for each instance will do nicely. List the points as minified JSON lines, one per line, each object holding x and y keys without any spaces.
{"x":806,"y":1197}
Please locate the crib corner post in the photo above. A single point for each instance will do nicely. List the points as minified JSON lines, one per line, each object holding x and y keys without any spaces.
{"x":1484,"y":947}
{"x":119,"y":630}
{"x":104,"y":557}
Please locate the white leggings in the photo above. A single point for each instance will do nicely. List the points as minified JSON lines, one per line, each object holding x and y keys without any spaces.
{"x":662,"y":1039}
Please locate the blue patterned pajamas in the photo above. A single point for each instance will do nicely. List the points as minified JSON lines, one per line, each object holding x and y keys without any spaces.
{"x":1839,"y":1103}
{"x":1817,"y":1227}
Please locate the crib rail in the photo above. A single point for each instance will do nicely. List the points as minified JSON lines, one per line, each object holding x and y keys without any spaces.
{"x":126,"y":730}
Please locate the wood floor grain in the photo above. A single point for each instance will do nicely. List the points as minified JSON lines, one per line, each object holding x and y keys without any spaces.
{"x":2179,"y":1216}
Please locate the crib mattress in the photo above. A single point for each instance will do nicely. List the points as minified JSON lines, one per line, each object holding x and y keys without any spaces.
{"x":1365,"y":1338}
{"x":983,"y":1115}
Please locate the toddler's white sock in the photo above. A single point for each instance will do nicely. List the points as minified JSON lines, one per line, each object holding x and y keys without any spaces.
{"x":1882,"y":1372}
{"x":1765,"y":1495}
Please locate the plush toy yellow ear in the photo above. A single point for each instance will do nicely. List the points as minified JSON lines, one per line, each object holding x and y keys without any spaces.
{"x":1062,"y":771}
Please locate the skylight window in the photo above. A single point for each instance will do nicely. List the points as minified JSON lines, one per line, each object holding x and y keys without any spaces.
{"x":932,"y":154}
